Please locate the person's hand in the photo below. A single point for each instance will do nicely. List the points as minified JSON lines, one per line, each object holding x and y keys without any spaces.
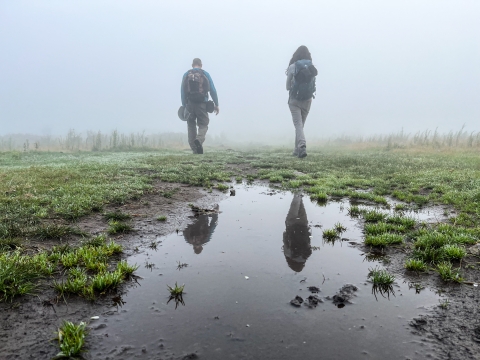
{"x":216,"y":110}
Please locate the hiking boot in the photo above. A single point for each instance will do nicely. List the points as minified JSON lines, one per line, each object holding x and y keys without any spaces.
{"x":199,"y":146}
{"x":302,"y":152}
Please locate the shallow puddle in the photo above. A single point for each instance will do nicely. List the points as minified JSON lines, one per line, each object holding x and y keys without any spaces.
{"x":245,"y":264}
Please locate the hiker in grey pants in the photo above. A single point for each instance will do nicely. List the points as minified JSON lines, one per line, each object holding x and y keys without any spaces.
{"x":197,"y":84}
{"x":300,"y":107}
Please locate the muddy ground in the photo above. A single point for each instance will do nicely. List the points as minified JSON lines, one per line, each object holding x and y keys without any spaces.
{"x":29,"y":323}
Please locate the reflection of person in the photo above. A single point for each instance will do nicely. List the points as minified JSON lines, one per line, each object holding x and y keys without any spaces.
{"x":201,"y":231}
{"x":296,"y":238}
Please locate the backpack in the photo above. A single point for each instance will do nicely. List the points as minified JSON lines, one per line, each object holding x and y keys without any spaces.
{"x":196,"y":85}
{"x":304,"y":80}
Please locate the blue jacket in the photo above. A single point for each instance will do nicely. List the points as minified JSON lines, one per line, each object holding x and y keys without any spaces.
{"x":213,"y":91}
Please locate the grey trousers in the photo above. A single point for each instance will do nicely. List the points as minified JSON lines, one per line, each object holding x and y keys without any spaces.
{"x":198,"y":117}
{"x":299,"y":110}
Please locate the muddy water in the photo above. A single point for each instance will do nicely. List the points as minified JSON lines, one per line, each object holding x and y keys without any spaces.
{"x":267,"y":238}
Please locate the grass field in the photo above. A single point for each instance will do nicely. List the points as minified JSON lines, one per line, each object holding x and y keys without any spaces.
{"x":42,"y":194}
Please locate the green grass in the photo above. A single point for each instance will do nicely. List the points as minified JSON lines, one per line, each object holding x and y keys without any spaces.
{"x":416,"y":265}
{"x":339,"y":228}
{"x":374,"y":216}
{"x":380,"y":277}
{"x":448,"y":273}
{"x":222,"y":187}
{"x":383,"y":240}
{"x":117,"y":216}
{"x":330,"y":235}
{"x":382,"y":228}
{"x":115,"y":227}
{"x":71,"y":339}
{"x":176,"y":290}
{"x":162,"y":218}
{"x":354,"y":211}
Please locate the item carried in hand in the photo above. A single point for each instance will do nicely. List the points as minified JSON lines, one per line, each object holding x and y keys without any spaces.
{"x":210,"y":106}
{"x":183,"y":113}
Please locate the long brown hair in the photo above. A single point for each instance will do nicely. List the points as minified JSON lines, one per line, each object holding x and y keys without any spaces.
{"x":301,"y":53}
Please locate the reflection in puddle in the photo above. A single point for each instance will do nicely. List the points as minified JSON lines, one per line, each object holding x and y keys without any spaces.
{"x":240,"y":289}
{"x":296,"y":238}
{"x":384,"y":290}
{"x":200,"y":231}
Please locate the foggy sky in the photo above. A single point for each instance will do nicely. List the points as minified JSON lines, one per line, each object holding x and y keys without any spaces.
{"x":103,"y":65}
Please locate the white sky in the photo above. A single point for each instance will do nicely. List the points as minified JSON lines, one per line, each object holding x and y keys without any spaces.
{"x":101,"y":65}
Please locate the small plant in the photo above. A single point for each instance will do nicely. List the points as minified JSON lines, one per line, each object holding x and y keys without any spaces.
{"x":125,"y":269}
{"x":117,"y":216}
{"x":321,"y":197}
{"x":417,"y":286}
{"x":239,"y":179}
{"x":162,"y":218}
{"x":381,"y":277}
{"x":447,"y":273}
{"x":153,"y":245}
{"x":176,"y":293}
{"x":107,"y":280}
{"x":115,"y":227}
{"x":400,"y":207}
{"x":339,"y":228}
{"x":382,"y":228}
{"x":374,"y":216}
{"x":354,"y":211}
{"x":71,"y":339}
{"x":222,"y":187}
{"x":330,"y":235}
{"x":454,"y":252}
{"x":383,"y":240}
{"x":53,"y":231}
{"x":444,"y":304}
{"x":416,"y":265}
{"x":96,"y":241}
{"x":181,"y":266}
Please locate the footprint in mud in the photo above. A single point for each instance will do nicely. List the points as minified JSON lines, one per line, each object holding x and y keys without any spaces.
{"x":344,"y":296}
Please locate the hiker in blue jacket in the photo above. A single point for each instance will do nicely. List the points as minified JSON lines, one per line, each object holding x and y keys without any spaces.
{"x":301,"y":86}
{"x":196,"y":85}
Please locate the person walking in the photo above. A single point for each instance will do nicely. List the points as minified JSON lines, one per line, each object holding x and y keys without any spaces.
{"x":196,"y":85}
{"x":301,"y":86}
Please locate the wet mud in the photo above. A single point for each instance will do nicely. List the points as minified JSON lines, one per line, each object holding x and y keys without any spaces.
{"x":260,"y":282}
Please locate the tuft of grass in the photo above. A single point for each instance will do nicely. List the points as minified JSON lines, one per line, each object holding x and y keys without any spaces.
{"x":54,"y":231}
{"x":71,"y":339}
{"x":222,"y":187}
{"x":448,"y":273}
{"x":115,"y":227}
{"x":380,"y":277}
{"x":354,"y":211}
{"x":383,"y":240}
{"x":321,"y":197}
{"x":117,"y":216}
{"x":330,"y":235}
{"x":10,"y":244}
{"x":406,"y":221}
{"x":374,"y":216}
{"x":125,"y":269}
{"x":416,"y":265}
{"x":382,"y":228}
{"x":176,"y":290}
{"x":454,"y":252}
{"x":96,"y":241}
{"x":162,"y":218}
{"x":400,"y":207}
{"x":339,"y":228}
{"x":107,"y":281}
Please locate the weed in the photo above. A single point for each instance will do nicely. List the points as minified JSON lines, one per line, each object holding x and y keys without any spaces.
{"x":222,"y":187}
{"x":374,"y":216}
{"x":162,"y":218}
{"x":117,"y":216}
{"x":444,"y":304}
{"x":383,"y":240}
{"x":115,"y":227}
{"x":454,"y":252}
{"x":125,"y":269}
{"x":381,"y":277}
{"x":382,"y":228}
{"x":106,"y":281}
{"x":447,"y":273}
{"x":330,"y":235}
{"x":321,"y":197}
{"x":176,"y":293}
{"x":416,"y":265}
{"x":339,"y":228}
{"x":354,"y":211}
{"x":71,"y":339}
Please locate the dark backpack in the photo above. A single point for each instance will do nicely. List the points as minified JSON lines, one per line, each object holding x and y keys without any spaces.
{"x":304,"y":80}
{"x":196,"y":85}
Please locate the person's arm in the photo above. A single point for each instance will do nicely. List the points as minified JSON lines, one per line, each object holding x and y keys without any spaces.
{"x":213,"y":91}
{"x":290,"y":71}
{"x":182,"y":90}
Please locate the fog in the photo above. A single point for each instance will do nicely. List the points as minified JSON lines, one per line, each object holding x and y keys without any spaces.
{"x":103,"y":65}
